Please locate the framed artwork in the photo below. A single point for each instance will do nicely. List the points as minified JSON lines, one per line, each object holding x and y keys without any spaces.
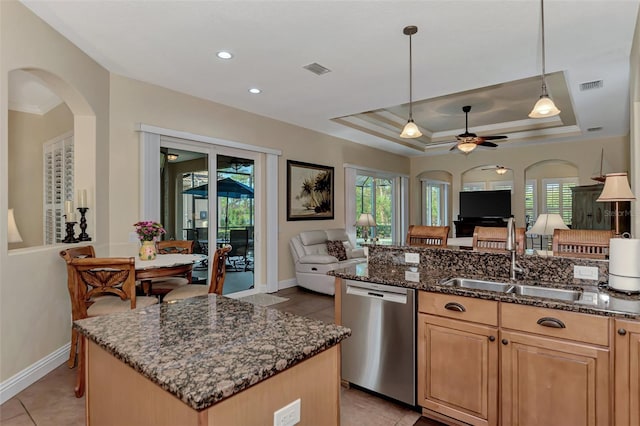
{"x":309,"y":191}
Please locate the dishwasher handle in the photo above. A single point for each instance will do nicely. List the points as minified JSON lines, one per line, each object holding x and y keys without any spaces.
{"x":387,"y":296}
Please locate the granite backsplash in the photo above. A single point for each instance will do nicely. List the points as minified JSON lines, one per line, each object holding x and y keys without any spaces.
{"x":544,"y":269}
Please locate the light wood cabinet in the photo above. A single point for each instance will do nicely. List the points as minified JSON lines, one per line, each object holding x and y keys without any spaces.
{"x":546,"y":381}
{"x":553,"y":367}
{"x":627,"y":373}
{"x":458,"y":357}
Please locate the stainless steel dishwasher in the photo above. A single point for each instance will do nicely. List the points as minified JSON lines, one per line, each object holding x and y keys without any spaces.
{"x":380,"y":355}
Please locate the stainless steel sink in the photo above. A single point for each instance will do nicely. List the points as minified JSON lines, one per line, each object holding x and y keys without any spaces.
{"x":519,"y":289}
{"x":547,"y":293}
{"x":479,"y":285}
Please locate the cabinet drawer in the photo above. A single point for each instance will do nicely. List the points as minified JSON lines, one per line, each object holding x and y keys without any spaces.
{"x":459,"y":307}
{"x":556,"y":323}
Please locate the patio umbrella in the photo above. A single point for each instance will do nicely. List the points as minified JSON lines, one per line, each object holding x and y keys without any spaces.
{"x":227,"y":188}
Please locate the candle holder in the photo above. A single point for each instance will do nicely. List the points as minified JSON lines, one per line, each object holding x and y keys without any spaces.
{"x":83,"y":225}
{"x":70,"y":237}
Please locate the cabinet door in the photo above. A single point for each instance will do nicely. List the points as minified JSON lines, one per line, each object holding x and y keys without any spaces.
{"x":553,"y":382}
{"x":627,"y":384}
{"x":458,"y":369}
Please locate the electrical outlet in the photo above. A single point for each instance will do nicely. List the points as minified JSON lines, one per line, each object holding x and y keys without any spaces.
{"x":412,"y":276}
{"x":585,"y":272}
{"x":412,"y":257}
{"x":288,"y":415}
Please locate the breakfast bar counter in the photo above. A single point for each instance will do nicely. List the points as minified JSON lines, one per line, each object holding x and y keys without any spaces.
{"x":209,"y":360}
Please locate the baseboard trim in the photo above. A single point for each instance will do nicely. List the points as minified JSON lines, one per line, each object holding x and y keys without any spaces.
{"x":291,"y":282}
{"x":25,"y":378}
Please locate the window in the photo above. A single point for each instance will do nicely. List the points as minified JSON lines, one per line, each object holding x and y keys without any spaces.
{"x":57,"y":186}
{"x":530,"y":202}
{"x":556,"y":196}
{"x":435,"y":201}
{"x":496,"y":185}
{"x":375,"y":195}
{"x":474,"y":186}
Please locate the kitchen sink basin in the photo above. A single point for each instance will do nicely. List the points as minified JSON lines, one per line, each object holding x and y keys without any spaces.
{"x":519,"y":289}
{"x":547,"y":293}
{"x":479,"y":285}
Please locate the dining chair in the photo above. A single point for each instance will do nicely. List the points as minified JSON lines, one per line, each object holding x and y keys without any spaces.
{"x":239,"y":241}
{"x":427,"y":236}
{"x":216,"y":284}
{"x":162,"y":286}
{"x":586,"y":243}
{"x":494,"y":239}
{"x":67,"y":255}
{"x":103,"y":286}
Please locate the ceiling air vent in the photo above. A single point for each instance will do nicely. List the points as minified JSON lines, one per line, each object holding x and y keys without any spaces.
{"x":590,"y":85}
{"x":316,"y":68}
{"x":594,"y":129}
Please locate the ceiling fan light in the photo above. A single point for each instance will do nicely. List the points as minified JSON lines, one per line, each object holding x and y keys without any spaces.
{"x":172,"y":157}
{"x":544,"y":108}
{"x":501,"y":171}
{"x":466,"y":147}
{"x":410,"y":130}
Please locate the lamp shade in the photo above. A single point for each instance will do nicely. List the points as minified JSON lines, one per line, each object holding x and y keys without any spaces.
{"x":13,"y":235}
{"x":616,"y":188}
{"x":546,"y":223}
{"x":466,"y":147}
{"x":410,"y":130}
{"x":544,"y":108}
{"x":366,"y":219}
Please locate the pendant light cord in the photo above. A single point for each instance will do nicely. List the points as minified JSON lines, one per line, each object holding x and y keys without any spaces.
{"x":544,"y":70}
{"x":410,"y":80}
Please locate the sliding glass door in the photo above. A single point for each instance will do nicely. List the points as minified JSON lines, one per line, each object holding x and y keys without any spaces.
{"x":212,"y":209}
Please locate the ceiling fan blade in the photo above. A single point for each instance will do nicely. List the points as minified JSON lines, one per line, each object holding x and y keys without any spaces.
{"x":453,"y":147}
{"x":493,"y":138}
{"x":489,"y":144}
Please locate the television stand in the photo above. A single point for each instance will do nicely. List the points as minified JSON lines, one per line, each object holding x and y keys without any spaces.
{"x":466,"y":225}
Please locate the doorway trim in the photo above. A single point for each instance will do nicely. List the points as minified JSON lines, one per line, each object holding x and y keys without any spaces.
{"x":266,"y":277}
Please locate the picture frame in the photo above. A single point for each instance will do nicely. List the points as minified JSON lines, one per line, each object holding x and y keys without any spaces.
{"x":310,"y":194}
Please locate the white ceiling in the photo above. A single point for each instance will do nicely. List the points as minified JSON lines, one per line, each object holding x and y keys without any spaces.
{"x":463,"y":53}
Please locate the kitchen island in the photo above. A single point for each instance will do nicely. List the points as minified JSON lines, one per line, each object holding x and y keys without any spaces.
{"x":209,"y":360}
{"x":548,"y":347}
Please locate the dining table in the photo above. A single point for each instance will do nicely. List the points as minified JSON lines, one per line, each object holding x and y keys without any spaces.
{"x":165,"y":265}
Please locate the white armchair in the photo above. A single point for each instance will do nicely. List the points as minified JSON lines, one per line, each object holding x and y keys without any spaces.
{"x":317,"y":252}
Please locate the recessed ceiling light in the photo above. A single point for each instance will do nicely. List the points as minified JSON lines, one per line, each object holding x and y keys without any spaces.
{"x":255,"y":90}
{"x":223,"y":54}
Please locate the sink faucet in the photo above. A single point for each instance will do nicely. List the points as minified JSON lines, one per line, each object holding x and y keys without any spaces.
{"x":511,"y":246}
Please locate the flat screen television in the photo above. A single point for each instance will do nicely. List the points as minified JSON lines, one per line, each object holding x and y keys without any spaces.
{"x":485,"y":203}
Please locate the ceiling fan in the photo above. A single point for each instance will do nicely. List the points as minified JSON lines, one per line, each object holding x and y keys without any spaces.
{"x":501,"y":170}
{"x":468,"y":141}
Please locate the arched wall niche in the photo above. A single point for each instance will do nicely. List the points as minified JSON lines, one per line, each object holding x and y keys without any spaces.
{"x":26,"y":195}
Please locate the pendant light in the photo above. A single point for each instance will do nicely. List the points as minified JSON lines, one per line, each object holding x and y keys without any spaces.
{"x":545,"y":106}
{"x":410,"y":129}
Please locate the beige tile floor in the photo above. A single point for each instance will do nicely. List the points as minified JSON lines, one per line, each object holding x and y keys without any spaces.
{"x":51,"y":402}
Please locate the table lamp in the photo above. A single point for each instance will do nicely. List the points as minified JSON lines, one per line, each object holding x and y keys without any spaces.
{"x":13,"y":235}
{"x":366,"y":220}
{"x":545,"y":225}
{"x":616,"y":188}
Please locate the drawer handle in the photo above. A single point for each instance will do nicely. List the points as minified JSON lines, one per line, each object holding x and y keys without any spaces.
{"x":551,"y":322}
{"x":453,"y":306}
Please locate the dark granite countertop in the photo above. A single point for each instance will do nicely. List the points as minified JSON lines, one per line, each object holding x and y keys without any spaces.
{"x":206,"y":349}
{"x":597,"y":300}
